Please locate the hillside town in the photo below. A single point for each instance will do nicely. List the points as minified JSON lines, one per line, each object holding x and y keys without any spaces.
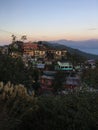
{"x":48,"y":64}
{"x":43,"y":86}
{"x":55,"y":66}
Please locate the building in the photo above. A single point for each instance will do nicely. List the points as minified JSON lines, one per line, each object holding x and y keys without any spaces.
{"x":91,"y":63}
{"x":42,"y":51}
{"x":46,"y":80}
{"x":28,"y":48}
{"x":4,"y":49}
{"x":64,"y":66}
{"x":72,"y":82}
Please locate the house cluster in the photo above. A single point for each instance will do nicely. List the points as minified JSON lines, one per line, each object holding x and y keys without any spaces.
{"x":46,"y":58}
{"x":69,"y":83}
{"x":4,"y":49}
{"x":49,"y":61}
{"x":39,"y":50}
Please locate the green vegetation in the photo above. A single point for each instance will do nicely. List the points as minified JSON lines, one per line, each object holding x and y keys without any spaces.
{"x":75,"y":58}
{"x":77,"y":111}
{"x":74,"y":111}
{"x":14,"y":102}
{"x":59,"y":79}
{"x":90,"y":77}
{"x":14,"y":70}
{"x":16,"y":47}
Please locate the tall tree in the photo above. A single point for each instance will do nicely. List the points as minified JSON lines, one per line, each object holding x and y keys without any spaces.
{"x":23,"y":38}
{"x":13,"y":38}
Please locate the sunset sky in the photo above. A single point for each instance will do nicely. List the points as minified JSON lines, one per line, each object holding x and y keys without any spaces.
{"x":49,"y":19}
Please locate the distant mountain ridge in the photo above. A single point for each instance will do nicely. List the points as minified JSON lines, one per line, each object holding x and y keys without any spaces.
{"x":93,"y":43}
{"x":70,"y":49}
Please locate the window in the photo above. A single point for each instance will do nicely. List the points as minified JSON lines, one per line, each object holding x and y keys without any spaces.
{"x":62,"y":67}
{"x":66,"y":66}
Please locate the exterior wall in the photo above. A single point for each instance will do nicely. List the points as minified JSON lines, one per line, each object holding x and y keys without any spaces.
{"x":58,"y":53}
{"x":72,"y":82}
{"x":31,"y":53}
{"x":64,"y":66}
{"x":42,"y":53}
{"x":46,"y":82}
{"x":28,"y":47}
{"x":34,"y":49}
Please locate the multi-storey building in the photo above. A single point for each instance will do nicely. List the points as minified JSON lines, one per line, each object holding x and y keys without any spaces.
{"x":41,"y":51}
{"x":33,"y":49}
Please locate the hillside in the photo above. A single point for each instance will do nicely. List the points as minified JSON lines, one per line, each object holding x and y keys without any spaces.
{"x":88,"y":44}
{"x":71,"y":50}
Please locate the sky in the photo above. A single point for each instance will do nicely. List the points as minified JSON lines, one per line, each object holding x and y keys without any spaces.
{"x":48,"y":19}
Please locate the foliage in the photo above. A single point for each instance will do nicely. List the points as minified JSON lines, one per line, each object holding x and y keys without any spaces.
{"x":70,"y":112}
{"x":14,"y":102}
{"x":24,"y":37}
{"x":16,"y":46}
{"x":90,"y":77}
{"x":77,"y":111}
{"x":13,"y":38}
{"x":75,"y":58}
{"x":14,"y":70}
{"x":59,"y":79}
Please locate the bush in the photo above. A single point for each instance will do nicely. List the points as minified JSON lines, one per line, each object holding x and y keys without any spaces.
{"x":14,"y":102}
{"x":71,"y":112}
{"x":77,"y":111}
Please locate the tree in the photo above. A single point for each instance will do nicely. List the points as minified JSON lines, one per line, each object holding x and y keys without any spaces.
{"x":76,"y":111}
{"x":59,"y":79}
{"x":13,"y":38}
{"x":23,"y":38}
{"x":90,"y":77}
{"x":20,"y":111}
{"x":75,"y":58}
{"x":16,"y":47}
{"x":13,"y":69}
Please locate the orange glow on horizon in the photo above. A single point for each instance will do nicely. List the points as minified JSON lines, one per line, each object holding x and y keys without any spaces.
{"x":84,"y":35}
